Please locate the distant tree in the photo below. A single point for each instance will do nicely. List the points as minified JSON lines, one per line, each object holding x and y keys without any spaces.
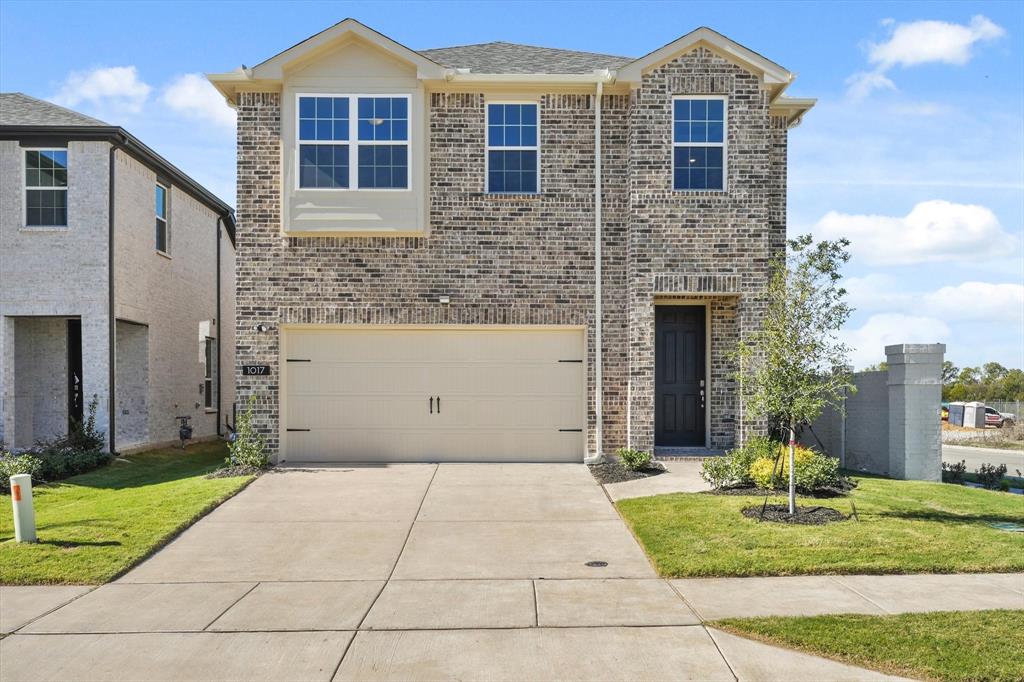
{"x":991,"y":382}
{"x":794,"y":364}
{"x":949,"y":372}
{"x":882,"y":366}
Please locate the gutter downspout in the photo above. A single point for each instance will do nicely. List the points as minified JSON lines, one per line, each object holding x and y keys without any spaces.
{"x":220,"y":325}
{"x":598,"y":454}
{"x":111,"y":321}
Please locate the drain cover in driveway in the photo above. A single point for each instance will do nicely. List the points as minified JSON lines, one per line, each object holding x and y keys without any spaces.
{"x":596,"y":564}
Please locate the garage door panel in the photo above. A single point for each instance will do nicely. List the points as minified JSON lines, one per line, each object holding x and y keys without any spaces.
{"x":364,"y":394}
{"x":370,"y":445}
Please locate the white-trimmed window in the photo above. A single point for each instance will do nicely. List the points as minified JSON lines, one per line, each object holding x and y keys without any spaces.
{"x":162,"y":237}
{"x":699,"y":142}
{"x":353,"y":142}
{"x":46,"y":187}
{"x":513,"y":148}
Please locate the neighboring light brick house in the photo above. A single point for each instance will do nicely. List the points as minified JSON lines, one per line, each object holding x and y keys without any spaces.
{"x":125,"y":294}
{"x":417,"y":271}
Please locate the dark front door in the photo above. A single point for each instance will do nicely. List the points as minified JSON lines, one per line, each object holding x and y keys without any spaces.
{"x":74,"y":373}
{"x":679,"y":382}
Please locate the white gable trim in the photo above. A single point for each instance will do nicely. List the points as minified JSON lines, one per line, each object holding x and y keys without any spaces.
{"x":273,"y":68}
{"x":771,"y":72}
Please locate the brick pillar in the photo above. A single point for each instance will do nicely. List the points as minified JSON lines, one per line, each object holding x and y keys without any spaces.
{"x":915,"y":395}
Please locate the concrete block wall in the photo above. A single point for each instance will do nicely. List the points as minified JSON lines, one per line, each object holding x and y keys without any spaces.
{"x":891,"y":425}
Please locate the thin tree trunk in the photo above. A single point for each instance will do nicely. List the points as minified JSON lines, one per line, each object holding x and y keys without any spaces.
{"x":792,"y":470}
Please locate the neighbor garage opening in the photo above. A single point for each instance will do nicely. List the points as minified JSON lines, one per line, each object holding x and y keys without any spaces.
{"x":407,"y":394}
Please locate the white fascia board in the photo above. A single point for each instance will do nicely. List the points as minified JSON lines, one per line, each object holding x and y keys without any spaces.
{"x":793,"y":108}
{"x":771,"y":72}
{"x":273,"y":68}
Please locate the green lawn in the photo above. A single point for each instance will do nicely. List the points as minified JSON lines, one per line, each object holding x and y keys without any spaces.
{"x":959,"y":645}
{"x":904,"y":527}
{"x":95,"y":526}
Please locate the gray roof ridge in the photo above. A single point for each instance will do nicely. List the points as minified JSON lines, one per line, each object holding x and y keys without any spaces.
{"x":47,"y":102}
{"x":538,"y":47}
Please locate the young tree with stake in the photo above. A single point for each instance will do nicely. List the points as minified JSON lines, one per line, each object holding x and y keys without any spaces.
{"x":794,"y":364}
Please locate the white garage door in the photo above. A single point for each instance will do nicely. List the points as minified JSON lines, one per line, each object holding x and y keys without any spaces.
{"x":434,"y":394}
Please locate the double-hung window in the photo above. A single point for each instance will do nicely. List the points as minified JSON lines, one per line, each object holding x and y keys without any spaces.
{"x":698,"y":143}
{"x":210,"y":350}
{"x":513,"y":148}
{"x":162,"y":234}
{"x":46,"y":187}
{"x":339,"y":133}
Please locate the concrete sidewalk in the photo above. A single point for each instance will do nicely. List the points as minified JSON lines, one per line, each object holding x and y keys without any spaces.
{"x":424,"y":571}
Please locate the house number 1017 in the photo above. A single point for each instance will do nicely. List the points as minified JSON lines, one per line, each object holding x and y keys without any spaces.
{"x":255,"y":370}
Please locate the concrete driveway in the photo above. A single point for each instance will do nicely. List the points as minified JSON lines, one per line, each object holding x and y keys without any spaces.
{"x":458,"y":571}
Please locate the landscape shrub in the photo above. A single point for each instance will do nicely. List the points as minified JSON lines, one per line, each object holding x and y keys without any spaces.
{"x":79,"y":451}
{"x":991,"y":476}
{"x":12,"y":465}
{"x":634,"y":460}
{"x":733,"y":469}
{"x":954,"y":473}
{"x":815,"y":472}
{"x":248,"y":449}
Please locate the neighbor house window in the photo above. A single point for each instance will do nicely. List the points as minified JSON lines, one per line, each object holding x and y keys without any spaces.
{"x":46,"y":187}
{"x":698,"y":143}
{"x":161,"y":220}
{"x":211,"y":359}
{"x":367,"y":133}
{"x":513,"y":149}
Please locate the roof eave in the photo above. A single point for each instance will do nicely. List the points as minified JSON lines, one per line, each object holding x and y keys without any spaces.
{"x":792,"y":108}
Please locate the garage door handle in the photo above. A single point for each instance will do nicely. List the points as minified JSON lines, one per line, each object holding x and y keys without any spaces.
{"x":431,"y":404}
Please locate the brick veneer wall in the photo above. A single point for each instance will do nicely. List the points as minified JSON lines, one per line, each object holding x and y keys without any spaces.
{"x":703,"y":242}
{"x":528,"y":259}
{"x":501,"y":259}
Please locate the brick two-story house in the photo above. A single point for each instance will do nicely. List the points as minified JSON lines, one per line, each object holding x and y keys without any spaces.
{"x":503,"y":252}
{"x":116,"y":281}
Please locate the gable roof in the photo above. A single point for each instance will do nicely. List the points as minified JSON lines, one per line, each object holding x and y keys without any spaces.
{"x":272,"y":68}
{"x":716,"y":42}
{"x":502,"y":57}
{"x":19,"y":109}
{"x":510,"y":63}
{"x":23,"y":116}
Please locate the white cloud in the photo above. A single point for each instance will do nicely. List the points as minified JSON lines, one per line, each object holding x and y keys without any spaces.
{"x":192,"y":95}
{"x":920,"y":42}
{"x":863,"y":83}
{"x":933,"y":231}
{"x":977,"y":301}
{"x":924,"y":42}
{"x":868,"y":341}
{"x":968,"y":301}
{"x":117,"y":87}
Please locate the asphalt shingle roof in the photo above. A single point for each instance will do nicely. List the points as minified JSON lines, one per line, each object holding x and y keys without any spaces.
{"x":18,"y":109}
{"x":501,"y":57}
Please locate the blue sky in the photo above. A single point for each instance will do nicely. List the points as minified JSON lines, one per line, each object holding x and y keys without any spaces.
{"x":915,"y":150}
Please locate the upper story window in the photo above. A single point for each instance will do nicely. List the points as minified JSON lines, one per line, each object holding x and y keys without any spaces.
{"x":46,"y":187}
{"x":698,"y":143}
{"x":162,"y":233}
{"x":375,"y":142}
{"x":513,"y":148}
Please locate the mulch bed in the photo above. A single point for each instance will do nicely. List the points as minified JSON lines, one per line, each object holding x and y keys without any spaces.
{"x":612,"y":471}
{"x":230,"y":472}
{"x":805,"y":516}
